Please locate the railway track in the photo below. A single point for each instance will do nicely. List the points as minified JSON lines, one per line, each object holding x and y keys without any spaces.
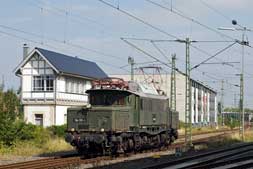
{"x":238,"y":156}
{"x":74,"y":162}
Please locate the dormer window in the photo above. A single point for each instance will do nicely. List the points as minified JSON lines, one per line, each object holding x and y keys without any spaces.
{"x":43,"y":83}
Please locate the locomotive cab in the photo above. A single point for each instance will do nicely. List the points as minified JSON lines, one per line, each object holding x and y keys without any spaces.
{"x":110,"y":110}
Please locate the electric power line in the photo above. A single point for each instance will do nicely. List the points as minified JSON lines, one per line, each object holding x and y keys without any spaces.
{"x":62,"y":42}
{"x":45,"y":44}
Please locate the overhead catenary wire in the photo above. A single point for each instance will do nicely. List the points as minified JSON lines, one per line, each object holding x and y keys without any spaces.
{"x":203,"y":73}
{"x":158,"y":29}
{"x":164,"y":63}
{"x":53,"y":47}
{"x":62,"y":42}
{"x":146,"y":53}
{"x":74,"y":17}
{"x":218,"y":12}
{"x":161,"y":52}
{"x":139,"y":20}
{"x":195,"y":21}
{"x":149,"y":55}
{"x":190,"y":19}
{"x":200,"y":50}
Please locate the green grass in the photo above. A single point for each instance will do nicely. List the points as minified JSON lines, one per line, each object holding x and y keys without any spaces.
{"x":230,"y":139}
{"x":31,"y":148}
{"x":199,"y":130}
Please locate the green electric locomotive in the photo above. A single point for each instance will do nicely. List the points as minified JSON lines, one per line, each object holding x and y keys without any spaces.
{"x":121,"y":117}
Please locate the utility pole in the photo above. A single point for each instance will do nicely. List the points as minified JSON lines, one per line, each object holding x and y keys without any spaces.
{"x":222,"y":101}
{"x":241,"y":107}
{"x":173,"y":84}
{"x":243,"y":29}
{"x":131,"y":62}
{"x":188,"y":120}
{"x":242,"y":83}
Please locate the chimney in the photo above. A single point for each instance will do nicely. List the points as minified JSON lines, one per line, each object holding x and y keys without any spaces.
{"x":25,"y":51}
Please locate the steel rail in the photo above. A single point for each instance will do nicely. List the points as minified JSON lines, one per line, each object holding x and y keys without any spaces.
{"x":228,"y":162}
{"x":185,"y":159}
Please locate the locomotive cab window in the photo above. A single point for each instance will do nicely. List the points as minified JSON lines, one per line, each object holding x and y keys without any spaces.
{"x":108,"y":98}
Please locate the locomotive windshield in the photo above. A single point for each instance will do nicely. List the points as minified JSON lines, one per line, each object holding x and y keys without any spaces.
{"x":108,"y":97}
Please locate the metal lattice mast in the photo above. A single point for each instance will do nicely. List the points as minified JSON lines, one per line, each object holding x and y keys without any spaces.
{"x":241,"y":109}
{"x":131,"y":62}
{"x":222,"y":101}
{"x":242,"y":86}
{"x":173,"y":84}
{"x":188,"y":120}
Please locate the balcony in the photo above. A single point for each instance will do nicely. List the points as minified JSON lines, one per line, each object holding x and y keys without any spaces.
{"x":73,"y":97}
{"x":49,"y":97}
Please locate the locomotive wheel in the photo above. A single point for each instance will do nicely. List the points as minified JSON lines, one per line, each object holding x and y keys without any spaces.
{"x":172,"y":139}
{"x":137,"y":143}
{"x":130,"y":144}
{"x":114,"y":150}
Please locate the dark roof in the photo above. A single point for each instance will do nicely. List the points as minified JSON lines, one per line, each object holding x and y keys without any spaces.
{"x":73,"y":65}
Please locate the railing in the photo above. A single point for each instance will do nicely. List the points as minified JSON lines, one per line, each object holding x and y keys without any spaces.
{"x":50,"y":96}
{"x":71,"y":96}
{"x":37,"y":95}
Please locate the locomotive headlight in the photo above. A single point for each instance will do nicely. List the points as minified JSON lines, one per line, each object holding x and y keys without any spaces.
{"x":88,"y":106}
{"x":102,"y":129}
{"x":79,"y":120}
{"x":72,"y":129}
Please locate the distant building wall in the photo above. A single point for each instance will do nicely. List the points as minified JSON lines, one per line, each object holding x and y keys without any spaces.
{"x":46,"y":112}
{"x":204,"y":111}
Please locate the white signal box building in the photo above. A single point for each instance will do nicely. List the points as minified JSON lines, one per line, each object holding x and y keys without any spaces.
{"x":52,"y":82}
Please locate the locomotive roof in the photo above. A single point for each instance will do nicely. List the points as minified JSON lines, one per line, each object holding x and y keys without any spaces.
{"x":141,"y":94}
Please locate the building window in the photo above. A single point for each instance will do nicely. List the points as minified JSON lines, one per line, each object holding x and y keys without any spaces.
{"x":75,"y":86}
{"x":39,"y":119}
{"x":49,"y":83}
{"x":38,"y":83}
{"x":43,"y":83}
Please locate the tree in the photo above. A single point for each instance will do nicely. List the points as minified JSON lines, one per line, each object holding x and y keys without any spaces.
{"x":11,"y":105}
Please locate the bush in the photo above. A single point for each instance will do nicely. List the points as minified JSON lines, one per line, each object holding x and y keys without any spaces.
{"x":232,"y":123}
{"x":58,"y":130}
{"x":12,"y":132}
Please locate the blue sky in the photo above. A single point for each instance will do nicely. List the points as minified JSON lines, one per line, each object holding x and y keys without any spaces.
{"x":88,"y":25}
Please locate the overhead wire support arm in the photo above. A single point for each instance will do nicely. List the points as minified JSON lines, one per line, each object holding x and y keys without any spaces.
{"x":147,"y":54}
{"x":217,"y":53}
{"x":216,"y":63}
